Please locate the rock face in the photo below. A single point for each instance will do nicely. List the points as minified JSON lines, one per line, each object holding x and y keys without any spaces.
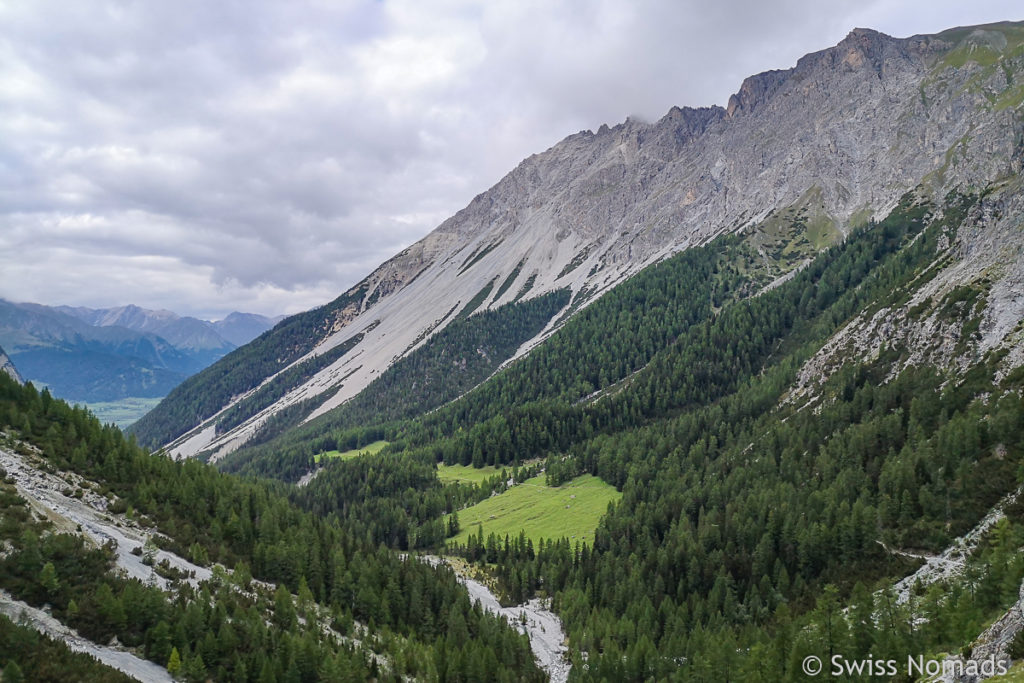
{"x":852,"y":128}
{"x":7,"y":366}
{"x":990,"y":653}
{"x":985,"y":263}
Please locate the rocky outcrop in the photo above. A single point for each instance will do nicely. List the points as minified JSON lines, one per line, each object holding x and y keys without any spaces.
{"x":858,"y":124}
{"x":990,"y":654}
{"x":982,"y":264}
{"x":7,"y":366}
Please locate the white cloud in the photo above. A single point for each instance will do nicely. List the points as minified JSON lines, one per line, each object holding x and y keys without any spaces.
{"x":207,"y":157}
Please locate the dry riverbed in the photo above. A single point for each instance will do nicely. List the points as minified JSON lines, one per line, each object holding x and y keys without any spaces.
{"x":533,"y":618}
{"x":84,"y":512}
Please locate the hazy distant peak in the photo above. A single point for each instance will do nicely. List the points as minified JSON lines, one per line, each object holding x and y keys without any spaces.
{"x":241,"y":328}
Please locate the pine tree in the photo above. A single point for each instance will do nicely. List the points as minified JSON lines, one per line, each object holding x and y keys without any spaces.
{"x":48,"y":579}
{"x":195,"y":669}
{"x":284,"y":609}
{"x":174,"y":663}
{"x":12,"y":673}
{"x":242,"y":575}
{"x":305,"y":596}
{"x":862,"y":621}
{"x":158,"y":642}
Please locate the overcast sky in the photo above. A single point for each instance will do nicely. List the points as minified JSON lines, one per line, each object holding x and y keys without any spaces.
{"x":264,"y":156}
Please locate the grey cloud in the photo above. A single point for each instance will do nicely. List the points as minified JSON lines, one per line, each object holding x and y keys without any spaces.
{"x":211,"y":156}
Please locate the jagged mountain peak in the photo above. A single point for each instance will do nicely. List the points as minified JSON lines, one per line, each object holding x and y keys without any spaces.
{"x":182,"y":331}
{"x":107,"y":354}
{"x":129,"y":315}
{"x":131,"y":311}
{"x":863,"y":49}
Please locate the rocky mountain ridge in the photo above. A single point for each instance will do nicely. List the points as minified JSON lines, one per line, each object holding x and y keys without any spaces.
{"x":840,"y":137}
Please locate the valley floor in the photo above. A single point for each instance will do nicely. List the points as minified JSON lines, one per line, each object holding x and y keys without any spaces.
{"x":123,"y":412}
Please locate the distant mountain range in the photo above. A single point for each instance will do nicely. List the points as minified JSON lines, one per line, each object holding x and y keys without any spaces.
{"x":93,"y":355}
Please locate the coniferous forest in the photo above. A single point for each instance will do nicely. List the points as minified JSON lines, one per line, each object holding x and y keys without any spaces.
{"x":331,"y":585}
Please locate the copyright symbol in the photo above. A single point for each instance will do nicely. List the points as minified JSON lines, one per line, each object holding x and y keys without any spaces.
{"x":812,"y":665}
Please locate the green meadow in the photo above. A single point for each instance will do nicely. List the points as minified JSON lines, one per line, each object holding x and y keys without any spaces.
{"x":465,"y":474}
{"x":369,"y":449}
{"x":571,"y":510}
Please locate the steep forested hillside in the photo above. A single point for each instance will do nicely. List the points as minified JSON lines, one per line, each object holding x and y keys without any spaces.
{"x":411,"y":618}
{"x":205,"y":393}
{"x":443,"y":368}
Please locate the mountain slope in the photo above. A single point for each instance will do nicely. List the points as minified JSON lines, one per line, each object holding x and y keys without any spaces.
{"x":836,"y":139}
{"x":7,"y":367}
{"x":755,"y":506}
{"x":81,"y":362}
{"x":133,"y":547}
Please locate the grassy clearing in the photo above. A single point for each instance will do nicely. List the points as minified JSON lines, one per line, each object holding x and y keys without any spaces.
{"x":123,"y":412}
{"x":465,"y":474}
{"x":369,"y":449}
{"x":571,"y":510}
{"x":787,"y":238}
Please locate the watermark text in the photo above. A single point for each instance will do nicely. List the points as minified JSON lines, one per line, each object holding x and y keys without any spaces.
{"x":839,"y":666}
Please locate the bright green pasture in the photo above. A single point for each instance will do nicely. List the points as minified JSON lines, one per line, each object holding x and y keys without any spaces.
{"x":369,"y":449}
{"x":465,"y":474}
{"x":571,"y":510}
